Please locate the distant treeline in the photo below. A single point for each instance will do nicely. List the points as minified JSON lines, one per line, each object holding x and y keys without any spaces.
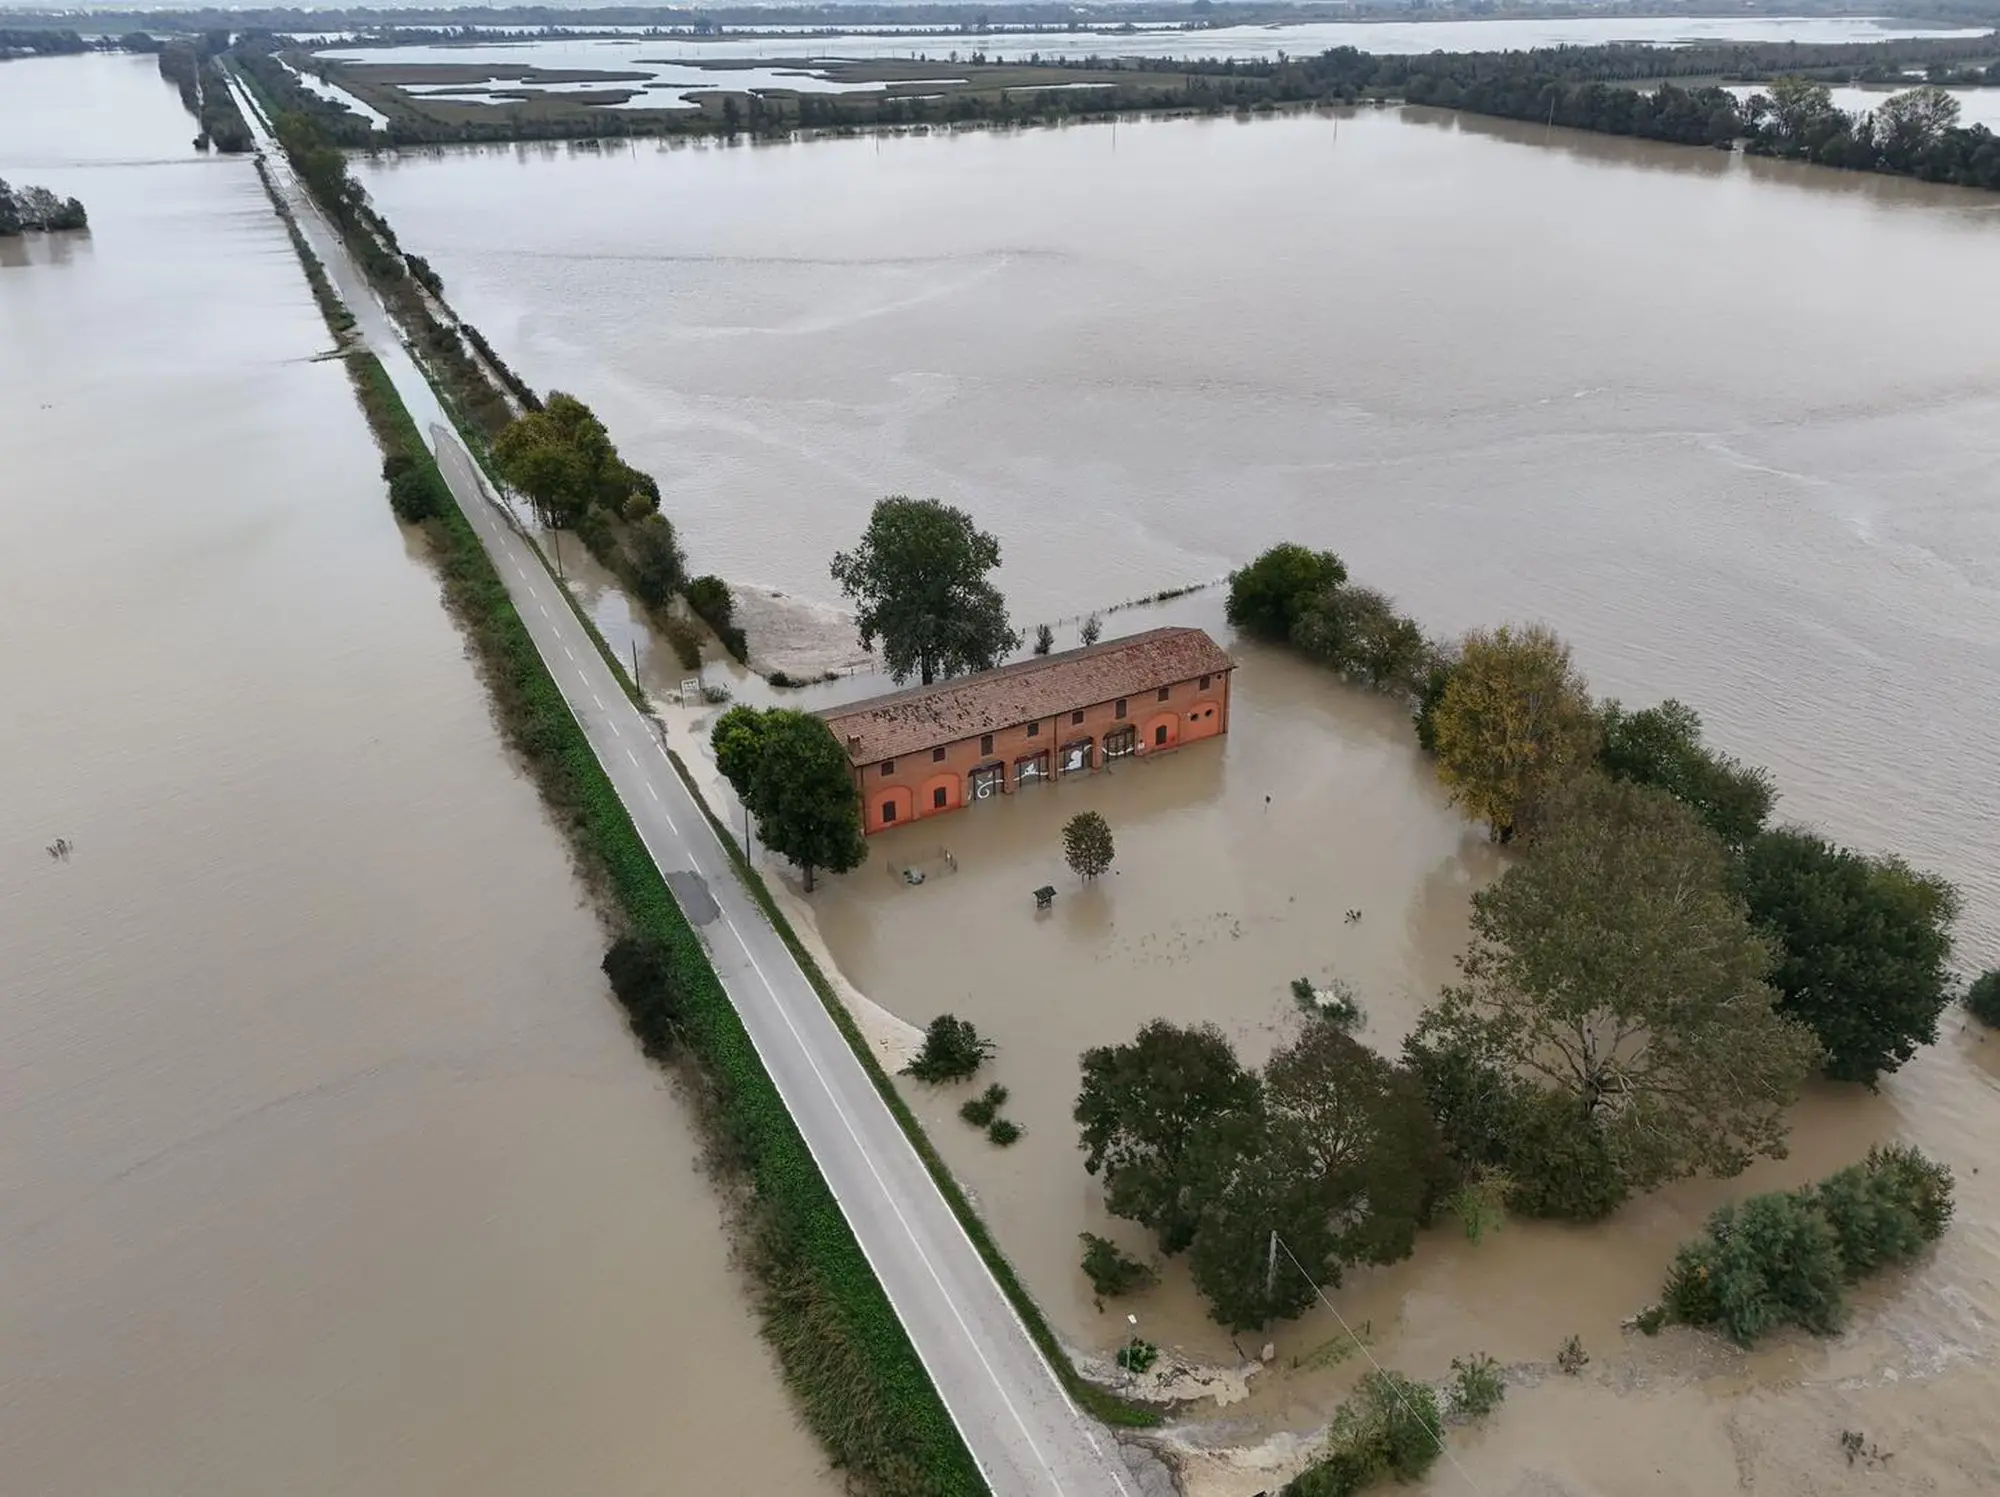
{"x":52,"y":42}
{"x":37,"y":208}
{"x":205,"y":92}
{"x":1915,"y":133}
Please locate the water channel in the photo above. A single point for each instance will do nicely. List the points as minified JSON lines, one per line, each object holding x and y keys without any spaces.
{"x":328,"y":1165}
{"x":1729,"y":425}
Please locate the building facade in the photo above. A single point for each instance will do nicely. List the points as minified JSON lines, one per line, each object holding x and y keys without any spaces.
{"x":937,"y":748}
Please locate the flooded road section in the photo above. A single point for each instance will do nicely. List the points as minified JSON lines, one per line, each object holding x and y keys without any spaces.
{"x":328,"y":1165}
{"x":1731,"y":426}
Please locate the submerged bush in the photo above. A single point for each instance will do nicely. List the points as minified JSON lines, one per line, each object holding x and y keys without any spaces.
{"x":952,"y":1051}
{"x":1476,"y":1386}
{"x":1110,"y":1271}
{"x":1982,"y":999}
{"x":1785,"y":1258}
{"x":1389,"y":1428}
{"x":1886,"y":1208}
{"x":984,"y":1108}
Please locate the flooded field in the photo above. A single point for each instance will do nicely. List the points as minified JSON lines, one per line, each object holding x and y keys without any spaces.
{"x":328,"y":1164}
{"x":1216,"y":902}
{"x":1218,"y":42}
{"x":1507,"y":373}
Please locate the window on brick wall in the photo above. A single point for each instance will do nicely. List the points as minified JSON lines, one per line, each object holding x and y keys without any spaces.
{"x":937,"y":756}
{"x":986,"y":743}
{"x":888,"y":768}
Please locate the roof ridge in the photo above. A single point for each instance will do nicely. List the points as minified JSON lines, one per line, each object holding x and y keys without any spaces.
{"x":1041,"y":686}
{"x":903,"y":695}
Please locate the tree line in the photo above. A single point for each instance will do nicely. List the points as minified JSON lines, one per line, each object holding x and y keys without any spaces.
{"x":1604,"y":89}
{"x":38,"y":209}
{"x":192,"y":67}
{"x":63,"y":42}
{"x":1648,"y":987}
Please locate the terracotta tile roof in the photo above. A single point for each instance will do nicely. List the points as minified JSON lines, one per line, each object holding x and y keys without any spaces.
{"x":908,"y":722}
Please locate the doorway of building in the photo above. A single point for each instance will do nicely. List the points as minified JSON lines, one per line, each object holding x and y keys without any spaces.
{"x":988,"y":780}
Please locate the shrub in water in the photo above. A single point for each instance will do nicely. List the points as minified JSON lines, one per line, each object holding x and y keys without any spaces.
{"x":984,"y":1108}
{"x":1110,"y":1271}
{"x":1983,"y":998}
{"x":1476,"y":1386}
{"x":952,"y":1051}
{"x":1137,"y":1356}
{"x":1886,"y":1208}
{"x":1769,"y":1262}
{"x":1002,"y":1132}
{"x":1783,"y":1258}
{"x":1388,"y":1427}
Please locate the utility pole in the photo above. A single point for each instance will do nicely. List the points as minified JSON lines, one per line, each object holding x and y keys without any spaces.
{"x":1271,"y":1270}
{"x":635,"y":662}
{"x":556,"y":536}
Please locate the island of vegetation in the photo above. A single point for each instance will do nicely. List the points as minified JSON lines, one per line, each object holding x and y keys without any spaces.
{"x":38,"y":209}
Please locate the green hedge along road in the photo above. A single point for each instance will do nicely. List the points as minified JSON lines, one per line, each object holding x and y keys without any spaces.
{"x":1012,"y":1412}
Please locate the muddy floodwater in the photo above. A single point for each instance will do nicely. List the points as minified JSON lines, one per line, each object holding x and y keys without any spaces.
{"x":327,"y":1164}
{"x":1731,"y":426}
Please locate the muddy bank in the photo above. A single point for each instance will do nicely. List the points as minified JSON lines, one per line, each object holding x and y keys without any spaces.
{"x":798,"y":637}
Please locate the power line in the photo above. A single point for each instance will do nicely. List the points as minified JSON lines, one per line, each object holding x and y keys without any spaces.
{"x":1395,"y":1386}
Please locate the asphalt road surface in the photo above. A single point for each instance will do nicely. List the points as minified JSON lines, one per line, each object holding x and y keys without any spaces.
{"x":1020,"y":1425}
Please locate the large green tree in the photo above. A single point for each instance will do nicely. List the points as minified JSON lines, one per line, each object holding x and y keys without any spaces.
{"x":563,"y":459}
{"x":1662,"y":746}
{"x":792,"y":774}
{"x":737,"y":739}
{"x":1358,"y":632}
{"x":1267,"y":596}
{"x":659,"y":568}
{"x":1513,"y":724}
{"x":1614,"y":971}
{"x":919,"y":583}
{"x":1157,"y":1116}
{"x":1345,"y":1168}
{"x":803,"y":795}
{"x":1863,"y":945}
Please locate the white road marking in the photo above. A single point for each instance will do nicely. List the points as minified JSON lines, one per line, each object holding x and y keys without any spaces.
{"x":635,"y":761}
{"x":894,"y":1205}
{"x":544,"y":608}
{"x":597,"y":699}
{"x":572,"y":658}
{"x":649,"y":784}
{"x":616,"y":734}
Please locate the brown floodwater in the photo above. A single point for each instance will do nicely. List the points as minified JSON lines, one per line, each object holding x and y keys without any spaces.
{"x":1732,"y":426}
{"x":327,"y":1163}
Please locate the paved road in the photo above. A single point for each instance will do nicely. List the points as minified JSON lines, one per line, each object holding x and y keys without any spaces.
{"x":1022,"y":1429}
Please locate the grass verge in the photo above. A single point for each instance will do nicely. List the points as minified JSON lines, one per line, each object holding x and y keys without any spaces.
{"x":1100,"y":1401}
{"x":862,"y":1388}
{"x":394,"y":425}
{"x":841,"y":1348}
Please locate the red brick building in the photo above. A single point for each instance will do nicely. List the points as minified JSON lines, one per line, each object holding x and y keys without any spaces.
{"x":932,"y":749}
